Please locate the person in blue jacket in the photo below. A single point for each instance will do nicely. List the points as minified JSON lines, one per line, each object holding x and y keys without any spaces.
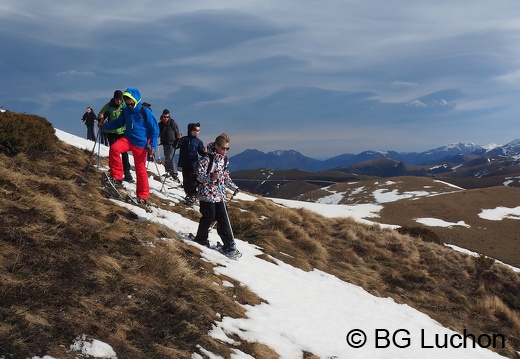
{"x":140,"y":137}
{"x":190,"y":148}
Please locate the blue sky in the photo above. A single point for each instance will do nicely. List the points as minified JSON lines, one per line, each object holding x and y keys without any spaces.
{"x":320,"y":77}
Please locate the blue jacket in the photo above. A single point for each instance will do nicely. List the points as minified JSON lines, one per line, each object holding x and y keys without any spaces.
{"x":190,"y":147}
{"x":138,"y":130}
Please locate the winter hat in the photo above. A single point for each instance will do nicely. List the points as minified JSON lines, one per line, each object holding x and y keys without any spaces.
{"x":118,"y":94}
{"x":165,"y":111}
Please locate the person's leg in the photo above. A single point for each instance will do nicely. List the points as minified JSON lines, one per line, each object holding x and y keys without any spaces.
{"x":142,"y":186}
{"x":114,"y":158}
{"x":192,"y":183}
{"x":224,"y":226}
{"x":126,"y":166}
{"x":168,"y":165}
{"x":90,"y":133}
{"x":207,"y":209}
{"x":112,"y":138}
{"x":174,"y":166}
{"x":187,"y":173}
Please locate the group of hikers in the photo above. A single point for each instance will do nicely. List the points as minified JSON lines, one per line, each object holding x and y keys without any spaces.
{"x":129,"y":125}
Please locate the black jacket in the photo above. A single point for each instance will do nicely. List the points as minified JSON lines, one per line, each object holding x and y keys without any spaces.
{"x":168,"y":132}
{"x":89,"y":118}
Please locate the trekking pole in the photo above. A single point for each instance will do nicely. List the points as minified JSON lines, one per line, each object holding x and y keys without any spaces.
{"x":85,"y":179}
{"x":225,"y":205}
{"x":227,"y":215}
{"x":156,"y":166}
{"x":99,"y":148}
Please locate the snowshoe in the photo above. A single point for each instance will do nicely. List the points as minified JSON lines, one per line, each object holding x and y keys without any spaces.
{"x":140,"y":202}
{"x":232,"y":253}
{"x":111,"y":185}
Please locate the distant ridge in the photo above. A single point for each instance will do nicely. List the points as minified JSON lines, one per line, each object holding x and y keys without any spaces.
{"x":290,"y":159}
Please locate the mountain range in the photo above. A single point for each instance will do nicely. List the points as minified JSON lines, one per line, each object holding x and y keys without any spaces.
{"x":457,"y":153}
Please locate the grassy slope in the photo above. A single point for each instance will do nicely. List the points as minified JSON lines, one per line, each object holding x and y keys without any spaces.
{"x":72,"y":263}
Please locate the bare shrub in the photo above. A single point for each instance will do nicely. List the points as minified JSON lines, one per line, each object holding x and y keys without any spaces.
{"x":23,"y":133}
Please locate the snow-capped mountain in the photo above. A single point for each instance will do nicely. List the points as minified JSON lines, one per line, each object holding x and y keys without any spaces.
{"x":280,"y":159}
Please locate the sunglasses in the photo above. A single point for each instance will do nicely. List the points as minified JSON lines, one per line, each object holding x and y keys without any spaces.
{"x":224,"y":148}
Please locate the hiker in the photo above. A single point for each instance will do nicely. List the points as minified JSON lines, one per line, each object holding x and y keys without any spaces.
{"x":108,"y":113}
{"x":140,"y":137}
{"x":89,"y":118}
{"x":213,"y":176}
{"x":170,"y":136}
{"x":190,"y":147}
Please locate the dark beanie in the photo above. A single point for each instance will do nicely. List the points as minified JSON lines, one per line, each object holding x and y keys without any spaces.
{"x":165,"y":111}
{"x":118,"y":94}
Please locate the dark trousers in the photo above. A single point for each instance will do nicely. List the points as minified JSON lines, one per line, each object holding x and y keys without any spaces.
{"x":90,"y":133}
{"x":215,"y":212}
{"x":189,"y":181}
{"x":112,"y":138}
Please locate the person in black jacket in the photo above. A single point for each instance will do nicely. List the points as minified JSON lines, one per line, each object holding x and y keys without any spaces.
{"x":190,"y":147}
{"x":169,"y":135}
{"x":89,"y":118}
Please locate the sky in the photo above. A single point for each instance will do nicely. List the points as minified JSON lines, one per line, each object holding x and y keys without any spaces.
{"x":341,"y":313}
{"x":320,"y":77}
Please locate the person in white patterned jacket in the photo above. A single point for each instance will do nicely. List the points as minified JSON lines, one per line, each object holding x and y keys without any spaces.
{"x":213,"y":176}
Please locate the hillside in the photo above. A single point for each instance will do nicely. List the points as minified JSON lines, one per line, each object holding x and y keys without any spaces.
{"x":288,"y":183}
{"x":73,"y":262}
{"x":405,"y":200}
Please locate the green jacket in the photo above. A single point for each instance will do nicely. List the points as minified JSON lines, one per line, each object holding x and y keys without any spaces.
{"x":111,"y":111}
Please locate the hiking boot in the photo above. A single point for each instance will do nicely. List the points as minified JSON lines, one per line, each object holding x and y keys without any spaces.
{"x":117,"y":183}
{"x":141,"y":201}
{"x":232,"y":253}
{"x":190,"y":200}
{"x":128,"y":177}
{"x":202,"y":243}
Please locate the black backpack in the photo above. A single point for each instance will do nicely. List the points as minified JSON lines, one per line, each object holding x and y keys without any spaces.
{"x":143,"y":111}
{"x":211,"y":157}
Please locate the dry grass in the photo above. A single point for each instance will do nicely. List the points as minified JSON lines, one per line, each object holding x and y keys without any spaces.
{"x":72,"y":262}
{"x":449,"y":286}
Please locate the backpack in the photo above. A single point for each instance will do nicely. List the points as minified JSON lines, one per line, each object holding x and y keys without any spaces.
{"x":211,"y":157}
{"x":143,"y":111}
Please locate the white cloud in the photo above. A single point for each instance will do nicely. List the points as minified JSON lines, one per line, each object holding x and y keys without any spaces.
{"x":74,"y":73}
{"x":386,"y":51}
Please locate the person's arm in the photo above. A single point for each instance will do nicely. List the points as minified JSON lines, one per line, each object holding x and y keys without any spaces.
{"x":102,"y":118}
{"x":228,"y":182}
{"x":201,"y":149}
{"x":153,"y":128}
{"x":112,"y":125}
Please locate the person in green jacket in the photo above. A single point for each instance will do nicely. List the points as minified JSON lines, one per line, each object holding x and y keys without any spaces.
{"x":108,"y":113}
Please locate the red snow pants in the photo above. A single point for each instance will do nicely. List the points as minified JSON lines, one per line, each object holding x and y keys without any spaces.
{"x":116,"y":165}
